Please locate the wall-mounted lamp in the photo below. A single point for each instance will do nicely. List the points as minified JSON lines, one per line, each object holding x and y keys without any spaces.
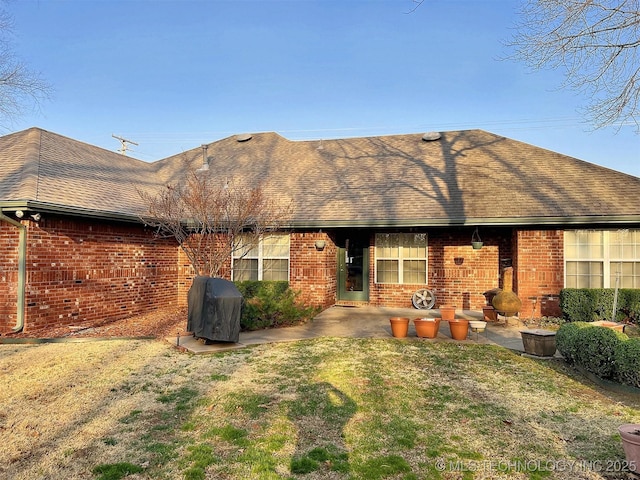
{"x":36,"y":217}
{"x":19,"y":213}
{"x":320,"y":244}
{"x":476,"y":242}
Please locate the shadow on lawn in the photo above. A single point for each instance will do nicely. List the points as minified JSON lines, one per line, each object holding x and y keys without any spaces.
{"x":322,"y":416}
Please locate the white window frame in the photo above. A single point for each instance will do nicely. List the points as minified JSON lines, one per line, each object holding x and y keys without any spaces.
{"x":257,"y":253}
{"x":606,"y":259}
{"x":400,"y":258}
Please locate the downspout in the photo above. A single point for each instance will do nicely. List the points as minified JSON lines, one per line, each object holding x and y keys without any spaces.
{"x":22,"y":269}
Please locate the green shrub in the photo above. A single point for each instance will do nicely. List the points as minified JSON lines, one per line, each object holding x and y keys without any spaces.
{"x":589,"y":304}
{"x":630,"y":306}
{"x":627,"y":360}
{"x":597,"y":349}
{"x":568,"y":340}
{"x":578,"y":304}
{"x":271,"y":304}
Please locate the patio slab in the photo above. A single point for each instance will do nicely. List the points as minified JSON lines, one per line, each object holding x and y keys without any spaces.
{"x":361,"y":322}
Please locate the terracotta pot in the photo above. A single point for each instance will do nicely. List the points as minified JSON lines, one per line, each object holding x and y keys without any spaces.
{"x":399,"y":326}
{"x":459,"y":328}
{"x":427,"y":327}
{"x":447,"y":312}
{"x":630,"y":434}
{"x":489,"y":313}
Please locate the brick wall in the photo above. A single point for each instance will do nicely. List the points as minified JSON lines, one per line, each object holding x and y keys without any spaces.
{"x":539,"y":270}
{"x":83,"y":272}
{"x":86,"y":272}
{"x":458,"y":274}
{"x":8,"y":276}
{"x":312,"y":270}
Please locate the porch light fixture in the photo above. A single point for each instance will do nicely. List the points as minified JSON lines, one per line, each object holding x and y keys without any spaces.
{"x":476,"y":242}
{"x":320,"y":244}
{"x":19,"y":213}
{"x":36,"y":217}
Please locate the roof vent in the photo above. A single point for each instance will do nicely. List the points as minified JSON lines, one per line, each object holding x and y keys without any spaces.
{"x":431,"y":136}
{"x":244,"y":137}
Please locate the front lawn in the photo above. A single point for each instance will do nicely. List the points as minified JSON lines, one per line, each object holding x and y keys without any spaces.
{"x":316,"y":409}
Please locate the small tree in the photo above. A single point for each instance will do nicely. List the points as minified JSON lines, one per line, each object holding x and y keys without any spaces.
{"x":213,"y":219}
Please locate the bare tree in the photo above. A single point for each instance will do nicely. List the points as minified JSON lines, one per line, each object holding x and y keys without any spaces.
{"x":19,"y":86}
{"x":595,"y":42}
{"x":213,"y":219}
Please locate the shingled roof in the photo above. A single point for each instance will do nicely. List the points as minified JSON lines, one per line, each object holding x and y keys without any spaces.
{"x":464,"y":177}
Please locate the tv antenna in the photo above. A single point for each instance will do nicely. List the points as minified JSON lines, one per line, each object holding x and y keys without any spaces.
{"x":125,"y":144}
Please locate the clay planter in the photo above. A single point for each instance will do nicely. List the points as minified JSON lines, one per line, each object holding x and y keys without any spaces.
{"x":399,"y":326}
{"x":539,"y":342}
{"x":630,"y":434}
{"x":612,"y":325}
{"x":447,"y":312}
{"x":427,"y":327}
{"x":489,"y":313}
{"x":459,"y":328}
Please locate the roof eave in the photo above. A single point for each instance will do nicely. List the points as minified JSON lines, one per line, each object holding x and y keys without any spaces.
{"x":45,"y":207}
{"x":473,"y":222}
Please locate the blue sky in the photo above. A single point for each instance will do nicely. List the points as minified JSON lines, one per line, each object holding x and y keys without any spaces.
{"x":171,"y":75}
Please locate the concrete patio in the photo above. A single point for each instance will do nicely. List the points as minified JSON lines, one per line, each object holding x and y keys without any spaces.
{"x":364,"y":322}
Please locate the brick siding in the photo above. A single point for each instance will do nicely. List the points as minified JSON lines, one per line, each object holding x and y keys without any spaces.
{"x":83,"y":272}
{"x":86,"y":272}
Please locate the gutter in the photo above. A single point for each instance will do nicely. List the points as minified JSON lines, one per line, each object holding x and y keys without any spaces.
{"x":22,"y":269}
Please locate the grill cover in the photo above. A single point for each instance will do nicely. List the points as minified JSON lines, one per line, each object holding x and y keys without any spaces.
{"x":215,"y":307}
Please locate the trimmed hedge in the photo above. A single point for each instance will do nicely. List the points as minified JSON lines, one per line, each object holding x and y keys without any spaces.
{"x":589,"y":304}
{"x":627,"y":360}
{"x":607,"y":353}
{"x":271,"y":304}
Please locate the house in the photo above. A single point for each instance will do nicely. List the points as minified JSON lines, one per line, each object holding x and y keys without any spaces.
{"x":374,"y":220}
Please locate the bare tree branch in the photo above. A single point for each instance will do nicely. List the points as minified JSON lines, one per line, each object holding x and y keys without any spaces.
{"x":596,"y":43}
{"x":213,"y":219}
{"x":20,"y":87}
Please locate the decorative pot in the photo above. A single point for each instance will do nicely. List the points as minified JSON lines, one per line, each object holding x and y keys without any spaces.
{"x":477,"y":325}
{"x":447,"y":312}
{"x":476,"y":245}
{"x":399,"y":326}
{"x":427,"y":327}
{"x":459,"y":328}
{"x":489,"y":313}
{"x":630,"y":433}
{"x":539,"y":342}
{"x":506,"y":302}
{"x":612,"y":325}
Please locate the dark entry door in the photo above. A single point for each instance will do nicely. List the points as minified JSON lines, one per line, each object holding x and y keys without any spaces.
{"x":353,"y":270}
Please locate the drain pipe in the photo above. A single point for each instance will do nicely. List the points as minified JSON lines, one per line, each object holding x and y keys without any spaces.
{"x":22,"y":269}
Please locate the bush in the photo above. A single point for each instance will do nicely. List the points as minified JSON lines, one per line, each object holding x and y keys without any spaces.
{"x":589,"y":304}
{"x":607,"y":353}
{"x":271,"y":304}
{"x":627,"y":360}
{"x":578,"y":305}
{"x":568,"y":340}
{"x":597,"y":348}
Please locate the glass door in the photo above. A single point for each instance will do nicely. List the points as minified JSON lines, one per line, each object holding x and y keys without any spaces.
{"x":353,"y":270}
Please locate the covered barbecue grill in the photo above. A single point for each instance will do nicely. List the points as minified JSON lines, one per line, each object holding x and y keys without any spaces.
{"x":215,"y":306}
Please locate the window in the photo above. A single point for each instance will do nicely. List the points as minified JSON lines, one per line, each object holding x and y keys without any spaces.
{"x":597,"y":258}
{"x":401,"y":258}
{"x":269,"y":260}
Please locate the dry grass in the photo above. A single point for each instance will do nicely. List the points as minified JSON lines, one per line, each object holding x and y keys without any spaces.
{"x":375,"y":405}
